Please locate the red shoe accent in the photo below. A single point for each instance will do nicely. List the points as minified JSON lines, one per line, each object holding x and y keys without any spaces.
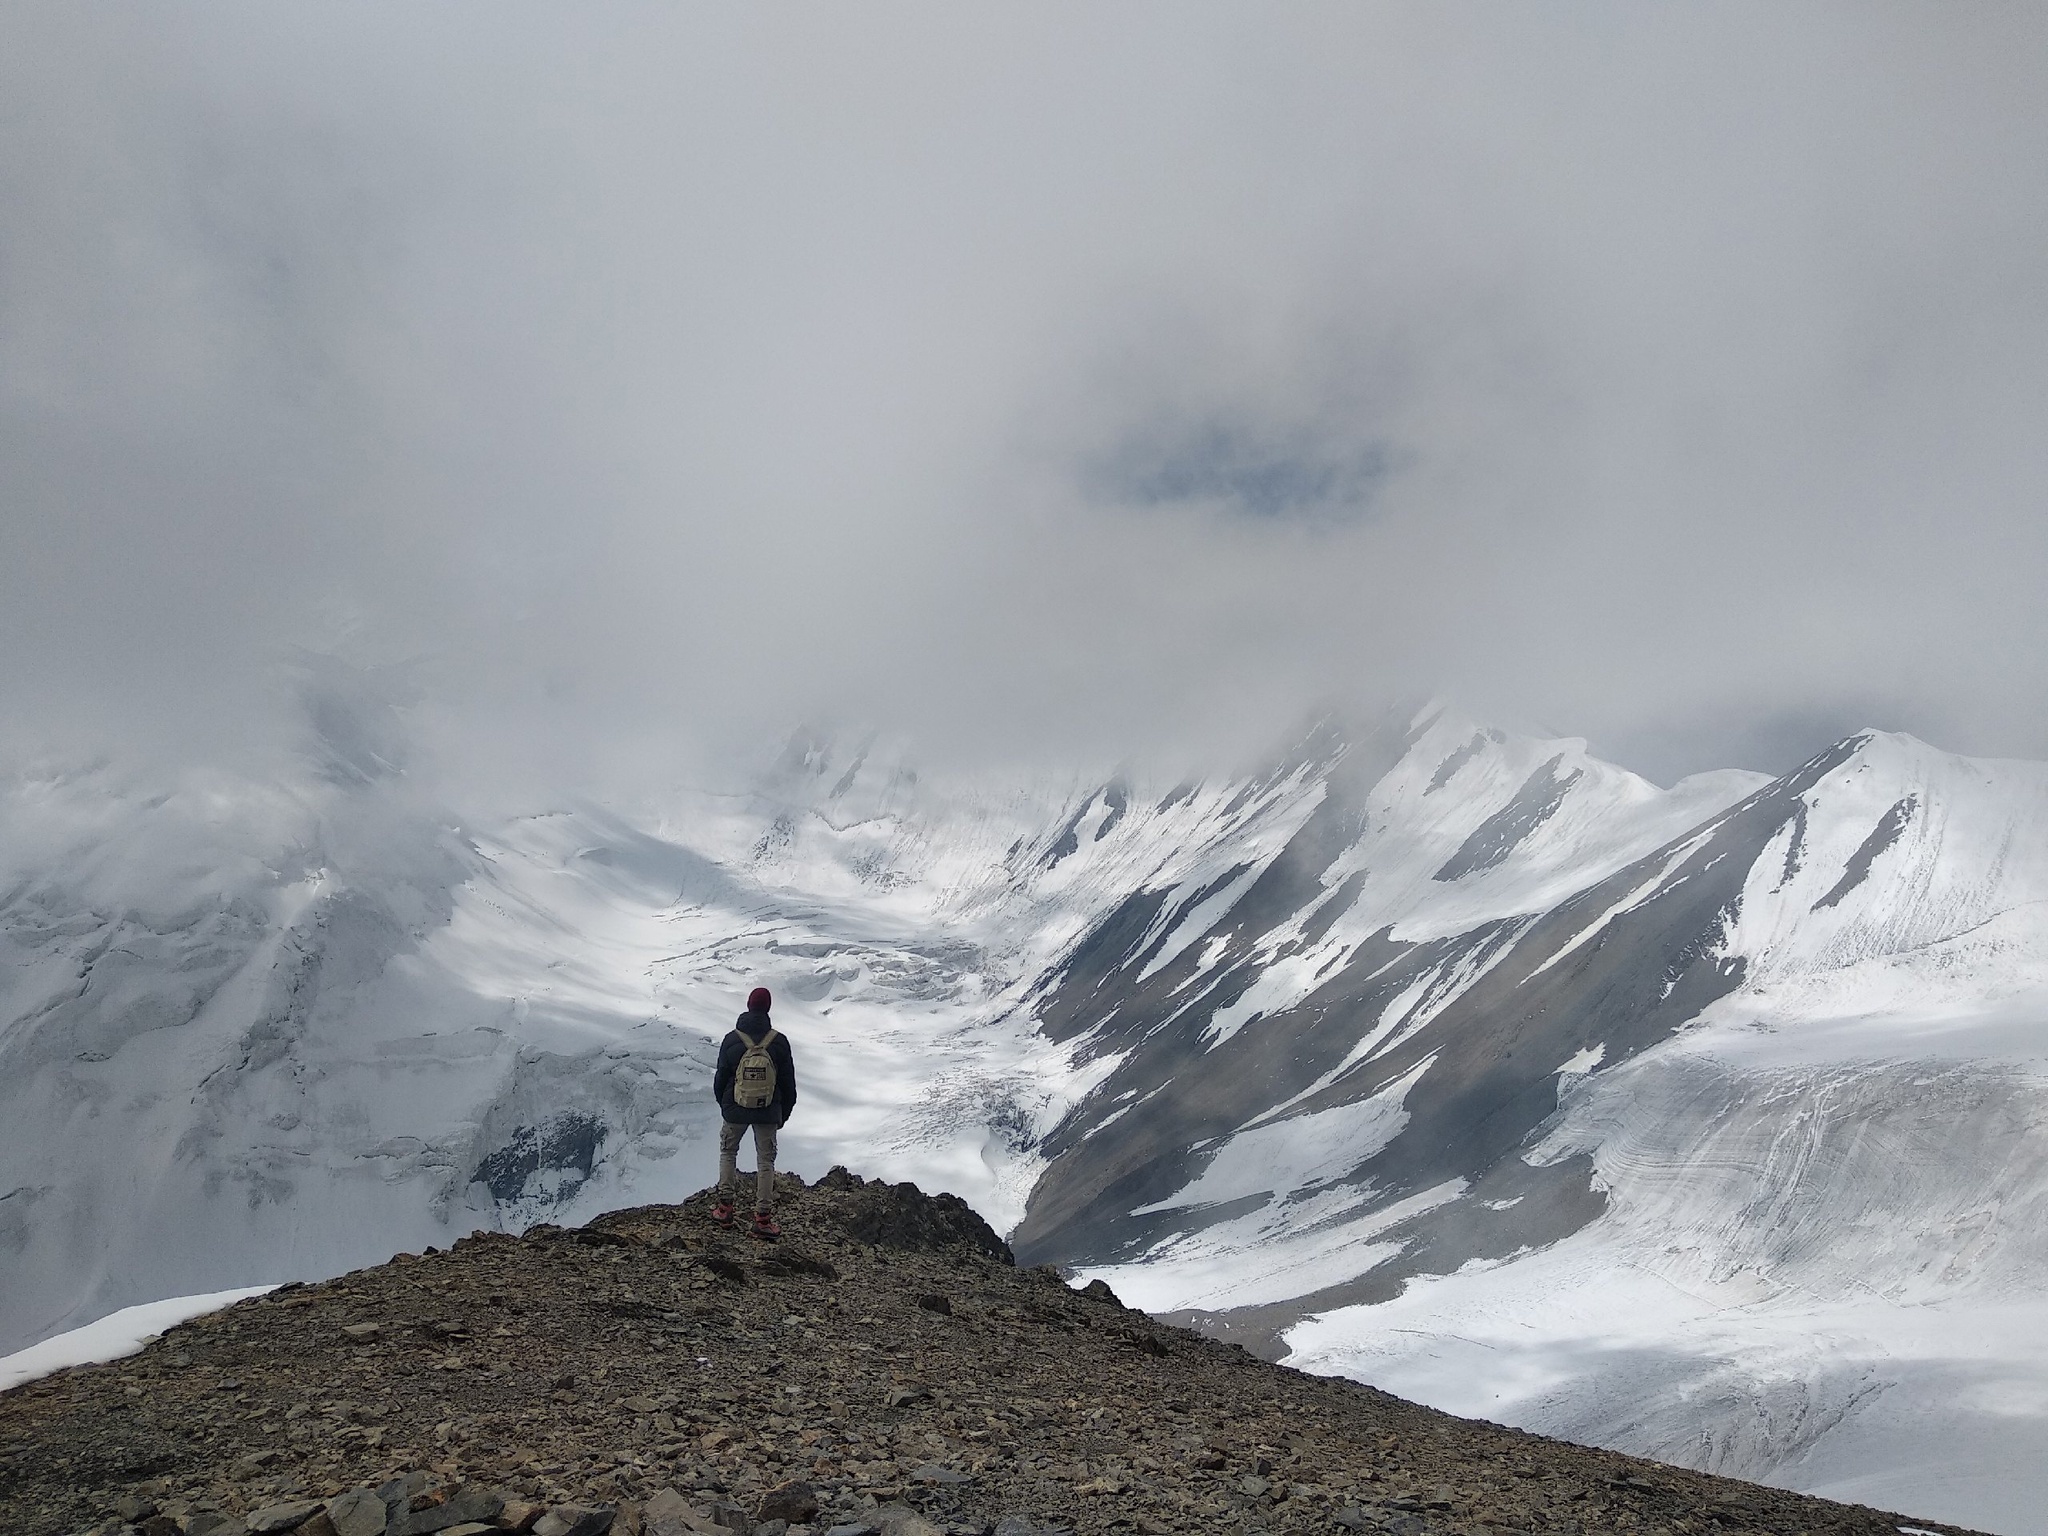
{"x":722,"y":1213}
{"x":764,"y":1225}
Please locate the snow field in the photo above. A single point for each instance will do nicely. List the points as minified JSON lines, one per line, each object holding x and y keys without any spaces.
{"x":115,"y":1336}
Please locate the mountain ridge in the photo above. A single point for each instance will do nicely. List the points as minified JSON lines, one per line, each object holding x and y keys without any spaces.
{"x":885,"y":1369}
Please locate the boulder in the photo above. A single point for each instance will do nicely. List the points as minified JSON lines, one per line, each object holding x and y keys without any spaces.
{"x":668,"y":1513}
{"x":795,"y":1501}
{"x":277,"y":1518}
{"x":575,"y":1520}
{"x":358,"y":1513}
{"x":467,"y":1505}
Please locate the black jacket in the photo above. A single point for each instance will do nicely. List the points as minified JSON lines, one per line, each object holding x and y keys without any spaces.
{"x":754,"y":1026}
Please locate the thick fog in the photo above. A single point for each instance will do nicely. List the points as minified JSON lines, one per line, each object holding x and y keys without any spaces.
{"x":618,"y":385}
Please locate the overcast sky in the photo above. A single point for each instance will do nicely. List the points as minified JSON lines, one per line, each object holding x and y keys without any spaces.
{"x":1038,"y":380}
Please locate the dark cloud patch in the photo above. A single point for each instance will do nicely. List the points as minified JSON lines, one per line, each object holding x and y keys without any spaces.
{"x":1237,"y":469}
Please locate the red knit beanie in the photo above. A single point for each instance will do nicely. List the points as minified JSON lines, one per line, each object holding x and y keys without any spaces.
{"x":758,"y":1000}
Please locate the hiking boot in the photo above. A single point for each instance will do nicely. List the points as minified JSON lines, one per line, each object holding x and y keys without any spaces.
{"x":722,"y":1213}
{"x":764,"y":1226}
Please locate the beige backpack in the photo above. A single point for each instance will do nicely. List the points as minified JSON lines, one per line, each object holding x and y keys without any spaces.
{"x":753,"y":1082}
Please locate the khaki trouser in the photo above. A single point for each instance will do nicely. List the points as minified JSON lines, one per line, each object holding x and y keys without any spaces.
{"x":764,"y":1161}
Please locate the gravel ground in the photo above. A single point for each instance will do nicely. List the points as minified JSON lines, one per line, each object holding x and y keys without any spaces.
{"x":884,"y":1368}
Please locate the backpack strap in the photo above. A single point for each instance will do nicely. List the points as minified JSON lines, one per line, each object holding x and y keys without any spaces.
{"x":768,"y":1039}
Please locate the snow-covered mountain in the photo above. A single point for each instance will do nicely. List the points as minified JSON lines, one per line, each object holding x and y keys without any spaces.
{"x":1708,"y":1125}
{"x":1701,"y":1121}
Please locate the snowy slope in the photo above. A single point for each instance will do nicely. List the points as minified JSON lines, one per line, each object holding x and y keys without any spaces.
{"x":371,"y":1033}
{"x":1794,"y":1230}
{"x":252,"y":1032}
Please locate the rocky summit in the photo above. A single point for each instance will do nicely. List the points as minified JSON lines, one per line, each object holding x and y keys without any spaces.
{"x":884,"y":1370}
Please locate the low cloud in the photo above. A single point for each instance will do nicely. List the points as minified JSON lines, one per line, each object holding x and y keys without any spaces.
{"x":635,"y":384}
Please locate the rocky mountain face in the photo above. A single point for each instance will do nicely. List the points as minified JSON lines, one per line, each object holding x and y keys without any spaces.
{"x":885,"y":1370}
{"x":1702,"y":1121}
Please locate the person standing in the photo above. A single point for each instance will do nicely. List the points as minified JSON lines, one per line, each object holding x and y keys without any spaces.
{"x":755,"y":1085}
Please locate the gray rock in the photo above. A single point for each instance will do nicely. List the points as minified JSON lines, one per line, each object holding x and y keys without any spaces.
{"x":932,"y":1472}
{"x":901,"y":1520}
{"x":468,"y":1505}
{"x":794,"y":1502}
{"x":575,"y":1520}
{"x":359,"y":1513}
{"x":133,"y":1508}
{"x":213,"y":1523}
{"x":402,"y":1488}
{"x":668,"y":1513}
{"x":282,"y":1517}
{"x":851,"y":1528}
{"x":1253,"y":1486}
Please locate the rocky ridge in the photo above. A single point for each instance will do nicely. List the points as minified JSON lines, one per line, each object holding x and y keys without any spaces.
{"x":885,"y":1369}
